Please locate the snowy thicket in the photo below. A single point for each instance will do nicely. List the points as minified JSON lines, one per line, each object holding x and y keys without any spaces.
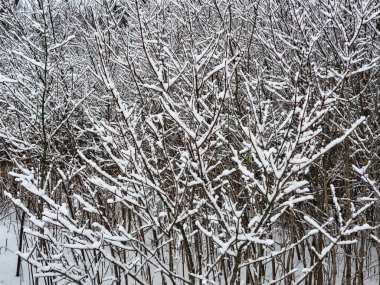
{"x":193,"y":142}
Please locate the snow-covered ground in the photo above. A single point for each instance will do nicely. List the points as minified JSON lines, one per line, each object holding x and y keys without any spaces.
{"x":8,"y":257}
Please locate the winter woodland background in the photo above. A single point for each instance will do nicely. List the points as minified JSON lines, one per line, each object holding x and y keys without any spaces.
{"x":191,"y":142}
